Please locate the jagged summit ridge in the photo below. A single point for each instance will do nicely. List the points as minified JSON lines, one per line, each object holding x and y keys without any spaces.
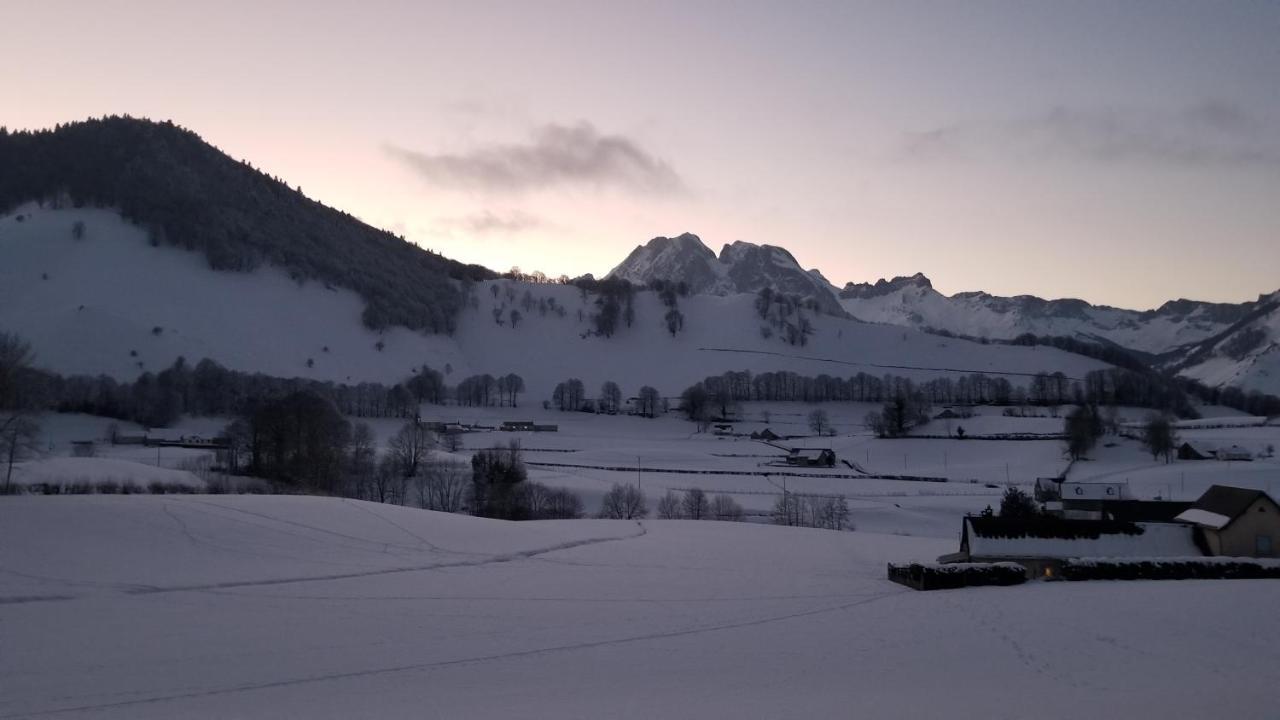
{"x":741,"y":267}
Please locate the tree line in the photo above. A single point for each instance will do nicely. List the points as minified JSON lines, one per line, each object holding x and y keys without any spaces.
{"x":209,"y":389}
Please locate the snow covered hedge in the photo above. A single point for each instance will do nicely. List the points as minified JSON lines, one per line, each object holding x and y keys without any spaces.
{"x":934,"y":576}
{"x":1184,"y":568}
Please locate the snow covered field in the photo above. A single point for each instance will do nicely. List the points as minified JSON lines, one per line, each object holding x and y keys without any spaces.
{"x":198,"y":606}
{"x":976,"y":471}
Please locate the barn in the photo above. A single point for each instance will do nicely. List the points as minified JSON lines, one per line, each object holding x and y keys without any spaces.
{"x":811,"y":457}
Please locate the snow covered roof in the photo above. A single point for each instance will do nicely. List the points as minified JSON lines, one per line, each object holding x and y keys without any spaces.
{"x":1205,"y":518}
{"x":995,"y":538}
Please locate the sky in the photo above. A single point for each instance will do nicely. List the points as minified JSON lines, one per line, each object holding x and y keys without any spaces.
{"x":1126,"y":153}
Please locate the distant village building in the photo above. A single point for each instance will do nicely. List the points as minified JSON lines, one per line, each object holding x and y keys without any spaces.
{"x":518,"y":426}
{"x":811,"y":457}
{"x":1084,"y":500}
{"x":723,"y":429}
{"x":766,"y":435}
{"x":1235,"y":453}
{"x":1236,"y":522}
{"x":1195,"y":451}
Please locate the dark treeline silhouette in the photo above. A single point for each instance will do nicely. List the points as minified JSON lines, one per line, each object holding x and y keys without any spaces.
{"x":208,"y":389}
{"x":187,"y":193}
{"x":1112,"y":386}
{"x":783,"y":385}
{"x":1252,"y":402}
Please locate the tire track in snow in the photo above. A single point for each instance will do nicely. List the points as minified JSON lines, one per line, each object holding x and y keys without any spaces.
{"x":533,"y":652}
{"x":493,"y":559}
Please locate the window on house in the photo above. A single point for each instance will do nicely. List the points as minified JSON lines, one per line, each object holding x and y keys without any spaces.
{"x":1262,"y":545}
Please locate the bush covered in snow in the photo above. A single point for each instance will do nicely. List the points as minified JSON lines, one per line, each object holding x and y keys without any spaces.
{"x":956,"y":575}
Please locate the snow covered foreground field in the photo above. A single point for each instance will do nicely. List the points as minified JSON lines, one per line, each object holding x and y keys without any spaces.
{"x":271,"y":606}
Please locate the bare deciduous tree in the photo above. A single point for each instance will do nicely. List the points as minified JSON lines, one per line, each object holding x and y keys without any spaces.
{"x":624,"y":502}
{"x":819,"y":423}
{"x":695,"y":505}
{"x":669,"y":506}
{"x":442,"y":486}
{"x":724,"y":507}
{"x":19,"y":431}
{"x":410,"y":446}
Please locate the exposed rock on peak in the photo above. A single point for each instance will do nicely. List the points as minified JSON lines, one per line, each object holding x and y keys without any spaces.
{"x":741,"y":267}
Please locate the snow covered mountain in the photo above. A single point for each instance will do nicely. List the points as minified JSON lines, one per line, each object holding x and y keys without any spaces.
{"x":741,"y":267}
{"x":912,"y":301}
{"x":1245,"y":355}
{"x":110,"y":302}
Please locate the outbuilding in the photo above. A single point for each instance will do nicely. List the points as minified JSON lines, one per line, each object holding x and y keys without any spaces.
{"x":1194,"y":451}
{"x":1236,"y":522}
{"x":812,"y":457}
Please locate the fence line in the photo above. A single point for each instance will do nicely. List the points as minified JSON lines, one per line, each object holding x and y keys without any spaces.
{"x":755,"y":473}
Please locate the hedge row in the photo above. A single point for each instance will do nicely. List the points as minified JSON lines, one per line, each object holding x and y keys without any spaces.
{"x":956,"y":575}
{"x":1169,"y":569}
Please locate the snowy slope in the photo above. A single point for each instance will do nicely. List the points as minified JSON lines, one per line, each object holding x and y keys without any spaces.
{"x":105,"y":294}
{"x":1247,"y":355}
{"x":270,"y":607}
{"x":912,"y":301}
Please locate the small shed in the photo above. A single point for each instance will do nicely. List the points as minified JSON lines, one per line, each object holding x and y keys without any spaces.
{"x":811,"y":457}
{"x":723,"y":429}
{"x":1236,"y":522}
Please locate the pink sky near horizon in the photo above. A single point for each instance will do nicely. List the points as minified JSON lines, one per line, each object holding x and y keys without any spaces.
{"x":1126,"y":155}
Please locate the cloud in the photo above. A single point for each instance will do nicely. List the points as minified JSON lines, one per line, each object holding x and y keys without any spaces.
{"x":487,"y":221}
{"x":555,"y":155}
{"x":1209,"y":134}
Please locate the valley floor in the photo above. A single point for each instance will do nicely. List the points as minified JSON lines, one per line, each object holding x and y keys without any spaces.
{"x":271,"y":606}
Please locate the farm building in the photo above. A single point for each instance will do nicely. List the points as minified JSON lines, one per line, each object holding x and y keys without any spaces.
{"x":723,"y":429}
{"x":1235,"y":453}
{"x":811,"y":457}
{"x":1195,"y":451}
{"x":518,"y":426}
{"x":1236,"y":522}
{"x":1040,"y":544}
{"x":765,"y":434}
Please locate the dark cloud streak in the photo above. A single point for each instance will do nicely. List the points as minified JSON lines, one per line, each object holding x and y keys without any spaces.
{"x":555,"y":155}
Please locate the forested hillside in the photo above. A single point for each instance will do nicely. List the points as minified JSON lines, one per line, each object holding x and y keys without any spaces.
{"x":187,"y":193}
